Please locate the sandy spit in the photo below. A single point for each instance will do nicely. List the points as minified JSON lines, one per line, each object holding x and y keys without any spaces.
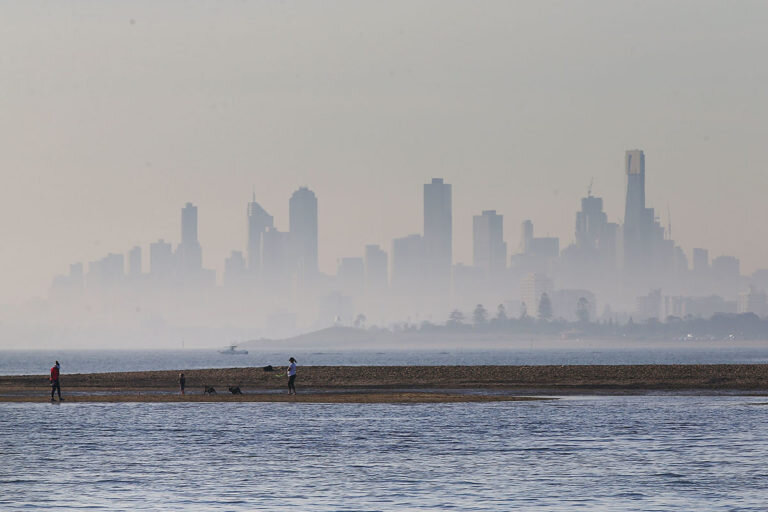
{"x":391,"y":383}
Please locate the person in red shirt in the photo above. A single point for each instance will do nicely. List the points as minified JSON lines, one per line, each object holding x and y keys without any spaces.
{"x":55,"y":387}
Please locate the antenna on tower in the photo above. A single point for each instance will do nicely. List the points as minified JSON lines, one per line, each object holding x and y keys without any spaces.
{"x":669,"y":222}
{"x":589,"y":189}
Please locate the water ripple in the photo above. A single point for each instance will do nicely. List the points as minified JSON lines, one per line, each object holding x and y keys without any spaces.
{"x":614,"y":453}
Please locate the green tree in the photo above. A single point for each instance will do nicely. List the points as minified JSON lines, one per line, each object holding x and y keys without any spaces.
{"x":456,"y":318}
{"x":501,"y":313}
{"x":480,"y":315}
{"x":545,"y":308}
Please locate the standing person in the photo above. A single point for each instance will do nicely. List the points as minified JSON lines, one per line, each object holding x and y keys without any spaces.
{"x":291,"y":376}
{"x":55,"y":386}
{"x":182,"y":381}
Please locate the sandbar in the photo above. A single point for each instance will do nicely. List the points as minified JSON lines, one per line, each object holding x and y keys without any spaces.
{"x":392,"y":384}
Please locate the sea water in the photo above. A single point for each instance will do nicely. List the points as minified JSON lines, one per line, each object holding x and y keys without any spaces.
{"x":591,"y":453}
{"x":36,"y":362}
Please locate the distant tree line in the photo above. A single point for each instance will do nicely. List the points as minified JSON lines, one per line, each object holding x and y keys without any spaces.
{"x":721,"y":326}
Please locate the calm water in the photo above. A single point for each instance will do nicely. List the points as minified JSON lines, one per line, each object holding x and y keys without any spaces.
{"x":88,"y":361}
{"x":608,"y":453}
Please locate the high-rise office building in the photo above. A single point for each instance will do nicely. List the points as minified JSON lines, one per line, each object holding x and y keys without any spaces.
{"x":438,"y":235}
{"x":234,"y":270}
{"x":592,"y":259}
{"x":537,"y":253}
{"x":545,"y":247}
{"x":189,"y":252}
{"x":275,"y":262}
{"x":635,"y":201}
{"x":526,"y":236}
{"x":648,"y":254}
{"x":700,"y":262}
{"x":258,"y":222}
{"x":489,"y":250}
{"x":76,"y":271}
{"x":161,"y":261}
{"x":303,"y":229}
{"x":376,"y":275}
{"x":637,"y":221}
{"x":726,"y":275}
{"x":681,"y":262}
{"x":590,"y":222}
{"x":408,"y":264}
{"x":350,"y":275}
{"x":107,"y":271}
{"x":189,"y":224}
{"x":134,"y":261}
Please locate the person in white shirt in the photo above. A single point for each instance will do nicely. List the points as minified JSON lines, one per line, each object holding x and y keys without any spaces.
{"x":291,"y":376}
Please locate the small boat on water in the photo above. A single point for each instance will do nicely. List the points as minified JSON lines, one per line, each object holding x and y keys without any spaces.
{"x":233,"y":351}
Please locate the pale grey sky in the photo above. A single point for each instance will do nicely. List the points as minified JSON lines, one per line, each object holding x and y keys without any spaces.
{"x":114,"y":114}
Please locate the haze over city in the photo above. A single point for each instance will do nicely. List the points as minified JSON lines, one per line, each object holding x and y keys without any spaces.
{"x":383,"y":255}
{"x":115,"y":117}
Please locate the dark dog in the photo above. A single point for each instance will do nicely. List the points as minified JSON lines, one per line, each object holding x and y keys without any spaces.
{"x":209,"y":390}
{"x":235,"y":390}
{"x":269,"y":368}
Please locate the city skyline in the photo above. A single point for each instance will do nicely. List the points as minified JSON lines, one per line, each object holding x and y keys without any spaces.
{"x":202,"y":106}
{"x":303,"y":221}
{"x":633,"y":268}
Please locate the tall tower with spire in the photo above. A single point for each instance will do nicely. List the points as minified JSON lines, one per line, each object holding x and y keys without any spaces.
{"x":258,"y":222}
{"x":638,"y":220}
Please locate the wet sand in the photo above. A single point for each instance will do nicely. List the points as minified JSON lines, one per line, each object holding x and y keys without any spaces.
{"x":395,"y":384}
{"x":317,"y":398}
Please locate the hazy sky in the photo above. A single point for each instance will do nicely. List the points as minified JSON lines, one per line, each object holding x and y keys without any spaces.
{"x":114,"y":114}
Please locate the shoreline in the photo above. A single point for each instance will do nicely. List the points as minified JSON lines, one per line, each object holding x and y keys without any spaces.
{"x":393,"y":384}
{"x":408,"y":397}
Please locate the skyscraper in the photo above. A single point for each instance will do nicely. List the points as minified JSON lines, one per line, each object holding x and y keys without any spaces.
{"x":725,"y":275}
{"x":637,"y":247}
{"x":134,"y":261}
{"x":438,"y":235}
{"x":161,"y":263}
{"x":643,"y":236}
{"x":350,"y":276}
{"x":258,"y":222}
{"x":700,"y":262}
{"x":635,"y":203}
{"x":595,"y":240}
{"x":590,"y":222}
{"x":234,"y":269}
{"x":375,"y":268}
{"x":303,"y":230}
{"x":648,"y":255}
{"x":488,"y":248}
{"x":275,"y":265}
{"x":189,"y":252}
{"x":526,"y":236}
{"x":408,"y":264}
{"x":546,"y":247}
{"x":537,"y":253}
